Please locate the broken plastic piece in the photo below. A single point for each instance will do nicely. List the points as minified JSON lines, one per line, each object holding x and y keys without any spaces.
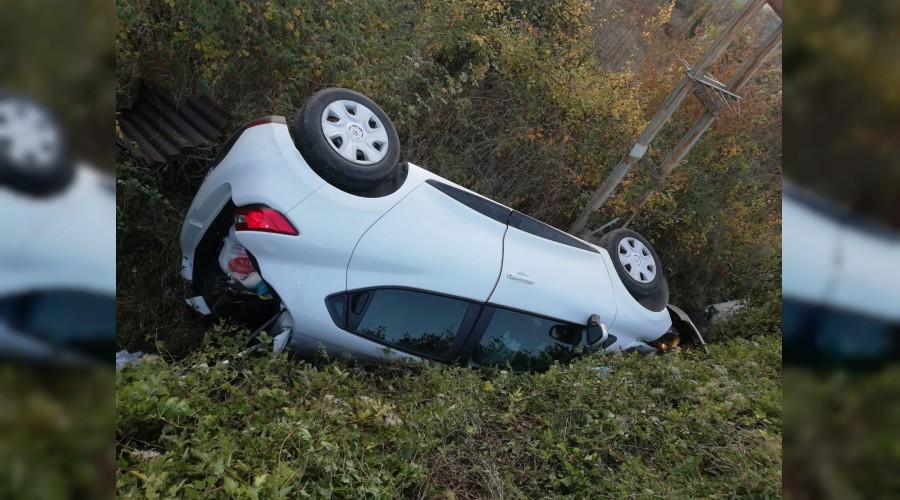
{"x":199,"y":304}
{"x":125,"y":358}
{"x":281,"y":341}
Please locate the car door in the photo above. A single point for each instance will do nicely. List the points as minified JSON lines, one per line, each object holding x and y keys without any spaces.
{"x":522,"y":341}
{"x":440,"y":238}
{"x":415,"y":322}
{"x":550,"y":273}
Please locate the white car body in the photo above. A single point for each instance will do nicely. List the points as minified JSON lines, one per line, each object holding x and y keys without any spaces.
{"x":64,"y":244}
{"x":416,"y":237}
{"x":841,"y":284}
{"x":65,"y":241}
{"x":833,"y":263}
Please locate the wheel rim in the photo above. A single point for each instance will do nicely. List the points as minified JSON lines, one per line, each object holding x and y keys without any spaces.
{"x":28,"y":136}
{"x":354,"y":132}
{"x":637,"y":260}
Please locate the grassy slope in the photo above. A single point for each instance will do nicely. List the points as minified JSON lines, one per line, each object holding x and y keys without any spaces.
{"x":685,"y":424}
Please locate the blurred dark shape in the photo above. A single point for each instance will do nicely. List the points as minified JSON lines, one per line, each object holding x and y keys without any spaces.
{"x":61,"y":52}
{"x":57,"y":254}
{"x":842,"y":115}
{"x":156,"y":127}
{"x":842,"y":125}
{"x":841,"y":285}
{"x":34,"y":152}
{"x":57,"y":288}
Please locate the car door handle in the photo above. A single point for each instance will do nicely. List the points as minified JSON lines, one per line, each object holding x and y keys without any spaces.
{"x":520,"y":277}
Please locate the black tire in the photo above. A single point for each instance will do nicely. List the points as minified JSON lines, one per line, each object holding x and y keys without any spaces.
{"x":47,"y":168}
{"x":641,"y":291}
{"x":326,"y":161}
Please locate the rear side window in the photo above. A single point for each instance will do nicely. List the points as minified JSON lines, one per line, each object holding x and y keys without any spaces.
{"x":526,"y":342}
{"x":415,"y":322}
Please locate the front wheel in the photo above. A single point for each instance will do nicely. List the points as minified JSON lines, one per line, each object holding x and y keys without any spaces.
{"x":347,"y":139}
{"x":636,"y":263}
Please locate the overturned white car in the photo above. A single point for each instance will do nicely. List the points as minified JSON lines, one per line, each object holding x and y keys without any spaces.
{"x":349,"y":250}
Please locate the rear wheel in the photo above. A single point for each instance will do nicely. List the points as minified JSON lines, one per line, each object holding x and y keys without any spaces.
{"x":347,"y":139}
{"x":637,"y":264}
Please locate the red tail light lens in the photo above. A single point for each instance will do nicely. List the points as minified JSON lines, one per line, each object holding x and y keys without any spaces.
{"x":263,"y":219}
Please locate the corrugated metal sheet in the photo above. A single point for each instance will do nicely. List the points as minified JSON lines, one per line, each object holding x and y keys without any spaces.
{"x":156,"y":127}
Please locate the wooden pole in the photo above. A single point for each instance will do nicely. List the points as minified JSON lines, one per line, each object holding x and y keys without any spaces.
{"x":703,"y":123}
{"x":664,"y":113}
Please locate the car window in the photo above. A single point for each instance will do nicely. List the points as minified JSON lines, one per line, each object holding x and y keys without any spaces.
{"x":416,"y":322}
{"x":816,"y":333}
{"x":847,"y":336}
{"x":82,"y":321}
{"x":525,"y":342}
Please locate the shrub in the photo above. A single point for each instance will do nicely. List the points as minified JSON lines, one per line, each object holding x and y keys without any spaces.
{"x":684,"y":424}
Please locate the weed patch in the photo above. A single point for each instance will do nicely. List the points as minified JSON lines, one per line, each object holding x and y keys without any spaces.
{"x":684,"y":424}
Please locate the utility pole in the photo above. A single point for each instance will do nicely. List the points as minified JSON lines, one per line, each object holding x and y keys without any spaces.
{"x":709,"y":116}
{"x":693,"y":76}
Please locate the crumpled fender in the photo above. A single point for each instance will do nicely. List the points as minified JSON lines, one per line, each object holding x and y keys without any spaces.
{"x":684,"y":326}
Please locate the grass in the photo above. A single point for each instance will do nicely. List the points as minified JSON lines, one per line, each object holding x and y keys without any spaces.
{"x":685,"y":424}
{"x":840,"y":433}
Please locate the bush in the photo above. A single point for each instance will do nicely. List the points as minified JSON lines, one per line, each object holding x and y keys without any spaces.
{"x":683,"y":424}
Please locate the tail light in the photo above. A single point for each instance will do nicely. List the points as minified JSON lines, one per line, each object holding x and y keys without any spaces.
{"x":264,"y":219}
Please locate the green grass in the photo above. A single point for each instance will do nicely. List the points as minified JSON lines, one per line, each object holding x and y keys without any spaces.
{"x":840,"y":433}
{"x":685,"y":424}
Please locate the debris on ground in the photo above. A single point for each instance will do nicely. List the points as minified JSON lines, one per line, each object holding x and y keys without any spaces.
{"x":236,"y":264}
{"x":125,"y":358}
{"x":157,"y":127}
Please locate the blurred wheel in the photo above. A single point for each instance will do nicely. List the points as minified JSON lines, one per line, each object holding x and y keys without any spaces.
{"x":34,"y":155}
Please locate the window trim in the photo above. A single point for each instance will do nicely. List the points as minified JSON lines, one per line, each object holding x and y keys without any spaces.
{"x":543,"y":230}
{"x":485,"y":206}
{"x":512,"y":218}
{"x":473,"y":311}
{"x":340,"y":320}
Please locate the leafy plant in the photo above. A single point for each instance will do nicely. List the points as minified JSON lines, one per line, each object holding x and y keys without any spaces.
{"x":683,"y":424}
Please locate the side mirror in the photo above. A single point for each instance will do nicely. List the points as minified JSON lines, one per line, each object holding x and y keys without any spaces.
{"x":567,"y":334}
{"x":598,"y":336}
